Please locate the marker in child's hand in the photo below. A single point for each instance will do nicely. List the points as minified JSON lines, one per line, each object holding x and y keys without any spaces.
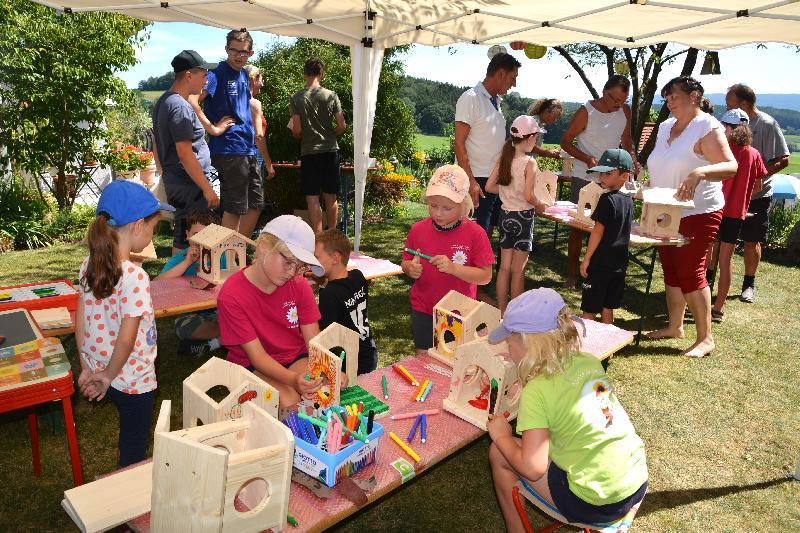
{"x":418,"y":253}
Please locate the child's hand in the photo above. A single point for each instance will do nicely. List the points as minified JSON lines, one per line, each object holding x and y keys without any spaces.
{"x":585,"y":268}
{"x":443,"y":264}
{"x":97,"y":386}
{"x":415,"y":270}
{"x":306,"y":388}
{"x":498,"y":427}
{"x":193,"y":253}
{"x":345,"y":381}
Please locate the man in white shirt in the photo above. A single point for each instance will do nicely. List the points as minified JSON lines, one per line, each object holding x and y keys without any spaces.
{"x":481,"y":131}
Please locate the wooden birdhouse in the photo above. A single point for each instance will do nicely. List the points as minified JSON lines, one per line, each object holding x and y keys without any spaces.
{"x":225,"y":476}
{"x":545,"y":188}
{"x":567,"y":162}
{"x":242,"y":385}
{"x":458,"y":319}
{"x":588,"y":197}
{"x":215,"y":242}
{"x":661,"y":212}
{"x":325,"y":353}
{"x":478,"y":366}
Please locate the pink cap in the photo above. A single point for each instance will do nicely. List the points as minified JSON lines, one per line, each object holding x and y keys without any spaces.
{"x":525,"y":125}
{"x":449,"y":181}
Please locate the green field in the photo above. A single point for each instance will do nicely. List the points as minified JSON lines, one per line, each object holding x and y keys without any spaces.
{"x":430,"y":142}
{"x":151,"y":95}
{"x":794,"y":164}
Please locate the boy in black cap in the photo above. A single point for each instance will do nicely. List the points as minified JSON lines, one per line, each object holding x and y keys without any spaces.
{"x":604,"y":272}
{"x":180,"y":145}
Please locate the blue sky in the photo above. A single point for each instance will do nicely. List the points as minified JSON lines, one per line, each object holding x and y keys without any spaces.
{"x":763,"y":69}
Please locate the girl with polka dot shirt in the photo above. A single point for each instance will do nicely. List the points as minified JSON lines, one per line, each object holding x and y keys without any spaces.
{"x":115,"y":328}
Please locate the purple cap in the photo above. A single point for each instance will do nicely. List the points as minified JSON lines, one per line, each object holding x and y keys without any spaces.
{"x":534,"y":311}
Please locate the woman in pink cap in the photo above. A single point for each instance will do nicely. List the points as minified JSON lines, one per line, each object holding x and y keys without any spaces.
{"x":513,"y":179}
{"x":460,"y":255}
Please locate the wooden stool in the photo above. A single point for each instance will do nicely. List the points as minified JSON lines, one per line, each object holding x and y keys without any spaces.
{"x":621,"y":525}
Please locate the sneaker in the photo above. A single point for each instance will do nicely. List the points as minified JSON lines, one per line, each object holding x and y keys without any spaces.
{"x":188,"y":347}
{"x":717,"y":316}
{"x":748,"y":295}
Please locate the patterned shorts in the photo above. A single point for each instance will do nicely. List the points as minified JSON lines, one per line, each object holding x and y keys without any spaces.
{"x":516,"y":230}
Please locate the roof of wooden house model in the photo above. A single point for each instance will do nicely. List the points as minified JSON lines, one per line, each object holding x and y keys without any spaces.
{"x":664,"y":196}
{"x":214,"y":234}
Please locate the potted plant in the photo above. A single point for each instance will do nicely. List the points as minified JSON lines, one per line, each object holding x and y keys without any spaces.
{"x":128,"y":161}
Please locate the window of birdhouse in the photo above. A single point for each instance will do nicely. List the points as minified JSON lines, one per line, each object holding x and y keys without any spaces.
{"x":663,"y":220}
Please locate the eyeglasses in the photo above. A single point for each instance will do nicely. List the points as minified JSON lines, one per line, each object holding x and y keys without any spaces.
{"x":297,"y":267}
{"x":237,"y":52}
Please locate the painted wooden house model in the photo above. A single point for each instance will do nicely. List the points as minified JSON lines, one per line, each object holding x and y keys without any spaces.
{"x":458,"y":319}
{"x":216,"y":241}
{"x":661,"y":212}
{"x":325,"y":353}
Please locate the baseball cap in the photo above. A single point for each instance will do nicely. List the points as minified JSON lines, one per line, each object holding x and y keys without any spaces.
{"x":449,"y":181}
{"x":534,"y":311}
{"x":298,"y":237}
{"x":189,"y":59}
{"x":613,"y":159}
{"x":125,"y":202}
{"x":525,"y":125}
{"x":734,"y":117}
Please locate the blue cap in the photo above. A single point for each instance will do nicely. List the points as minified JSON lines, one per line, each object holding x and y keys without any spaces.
{"x":125,"y":202}
{"x":534,"y":311}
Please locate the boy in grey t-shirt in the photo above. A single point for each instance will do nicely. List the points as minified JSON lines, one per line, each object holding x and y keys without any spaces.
{"x":317,"y":120}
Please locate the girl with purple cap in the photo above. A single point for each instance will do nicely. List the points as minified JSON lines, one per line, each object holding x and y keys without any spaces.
{"x":514,"y":179}
{"x":115,"y":328}
{"x":579,"y":451}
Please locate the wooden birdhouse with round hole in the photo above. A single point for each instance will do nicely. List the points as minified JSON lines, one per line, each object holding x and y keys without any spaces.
{"x":588,"y":197}
{"x":458,"y":319}
{"x":545,"y":187}
{"x":661,"y":212}
{"x":223,"y":252}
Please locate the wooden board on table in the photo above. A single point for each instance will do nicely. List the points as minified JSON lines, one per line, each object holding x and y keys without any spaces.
{"x":55,"y":317}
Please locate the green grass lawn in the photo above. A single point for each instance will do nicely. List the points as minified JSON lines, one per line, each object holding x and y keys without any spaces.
{"x":429,"y":142}
{"x":794,"y":164}
{"x":721,"y":432}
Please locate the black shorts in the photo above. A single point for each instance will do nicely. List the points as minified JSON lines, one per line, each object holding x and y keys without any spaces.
{"x":576,"y":184}
{"x":729,"y":230}
{"x":602,"y":291}
{"x":185,"y":198}
{"x":575,"y":509}
{"x":422,"y":330}
{"x":240,"y":185}
{"x":516,"y":230}
{"x":319,"y":171}
{"x":755,"y":228}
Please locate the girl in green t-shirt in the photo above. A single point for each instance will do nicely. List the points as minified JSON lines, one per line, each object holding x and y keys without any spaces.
{"x":578,"y":451}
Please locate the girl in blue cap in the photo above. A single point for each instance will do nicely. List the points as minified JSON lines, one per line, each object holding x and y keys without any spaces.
{"x":578,"y":451}
{"x":115,"y":329}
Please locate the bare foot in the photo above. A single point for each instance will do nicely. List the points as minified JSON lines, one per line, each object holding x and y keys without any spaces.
{"x":700,"y":348}
{"x":665,"y":333}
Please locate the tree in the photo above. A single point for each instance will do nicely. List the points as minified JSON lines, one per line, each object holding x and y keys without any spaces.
{"x":158,"y":83}
{"x":56,"y":84}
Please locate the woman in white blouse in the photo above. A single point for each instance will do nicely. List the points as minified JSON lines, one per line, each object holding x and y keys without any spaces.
{"x":692,"y":156}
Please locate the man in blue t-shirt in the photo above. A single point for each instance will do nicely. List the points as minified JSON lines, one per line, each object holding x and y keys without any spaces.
{"x":233,"y":148}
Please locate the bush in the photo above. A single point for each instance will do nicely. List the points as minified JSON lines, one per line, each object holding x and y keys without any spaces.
{"x":384,"y":192}
{"x":70,"y":225}
{"x":781,"y":222}
{"x":22,"y":213}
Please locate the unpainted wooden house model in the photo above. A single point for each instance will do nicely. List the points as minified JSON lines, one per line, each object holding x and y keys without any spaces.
{"x":661,"y":212}
{"x":588,"y":197}
{"x":546,"y":187}
{"x":216,"y":241}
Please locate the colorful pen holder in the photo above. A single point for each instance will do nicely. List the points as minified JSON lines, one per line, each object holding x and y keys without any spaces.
{"x":330,"y":468}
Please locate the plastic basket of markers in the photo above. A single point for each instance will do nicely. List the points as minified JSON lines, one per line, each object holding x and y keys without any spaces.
{"x":328,"y":448}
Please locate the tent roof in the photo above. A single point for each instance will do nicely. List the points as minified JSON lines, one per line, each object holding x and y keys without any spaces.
{"x":707,"y":24}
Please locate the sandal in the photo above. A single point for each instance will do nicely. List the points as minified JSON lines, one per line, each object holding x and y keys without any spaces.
{"x":717,"y":316}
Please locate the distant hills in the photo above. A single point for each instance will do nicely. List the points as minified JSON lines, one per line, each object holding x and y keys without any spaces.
{"x":778,"y":101}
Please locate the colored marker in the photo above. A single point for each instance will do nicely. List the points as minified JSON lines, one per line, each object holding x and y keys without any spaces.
{"x":428,"y":412}
{"x":385,"y":387}
{"x":292,"y":520}
{"x":427,"y":391}
{"x":400,"y":369}
{"x":414,"y":427}
{"x":418,"y":253}
{"x":420,"y":391}
{"x":319,"y":423}
{"x":424,"y":429}
{"x":493,"y":396}
{"x":406,"y":448}
{"x":370,"y":421}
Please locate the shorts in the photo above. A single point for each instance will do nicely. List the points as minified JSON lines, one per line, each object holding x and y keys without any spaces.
{"x":240,"y":182}
{"x":729,"y":230}
{"x":422,"y":330}
{"x":367,"y":358}
{"x":685,"y":266}
{"x":319,"y":171}
{"x":575,"y":509}
{"x":575,"y":186}
{"x":185,"y":198}
{"x":487,"y":213}
{"x":516,"y":230}
{"x":756,"y":227}
{"x":251,"y":368}
{"x":186,"y":325}
{"x":602,"y":291}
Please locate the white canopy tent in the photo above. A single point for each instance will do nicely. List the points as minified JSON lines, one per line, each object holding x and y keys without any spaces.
{"x":371,"y":26}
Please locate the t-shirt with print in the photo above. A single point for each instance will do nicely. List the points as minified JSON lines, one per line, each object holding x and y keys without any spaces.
{"x":229,"y":95}
{"x":174,"y":120}
{"x":344,"y":301}
{"x":101,"y":323}
{"x":317,"y":108}
{"x":615,"y":212}
{"x":591,"y":437}
{"x":466,"y":244}
{"x":245,"y":313}
{"x":739,"y":188}
{"x":768,"y":139}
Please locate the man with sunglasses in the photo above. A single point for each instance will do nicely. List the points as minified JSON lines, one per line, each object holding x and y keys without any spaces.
{"x":227,"y":118}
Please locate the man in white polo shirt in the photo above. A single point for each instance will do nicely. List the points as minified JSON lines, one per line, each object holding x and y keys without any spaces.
{"x":481,"y":131}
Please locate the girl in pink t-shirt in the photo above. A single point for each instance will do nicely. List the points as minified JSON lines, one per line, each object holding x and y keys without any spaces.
{"x":115,"y":329}
{"x":461,"y":257}
{"x":267,"y":311}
